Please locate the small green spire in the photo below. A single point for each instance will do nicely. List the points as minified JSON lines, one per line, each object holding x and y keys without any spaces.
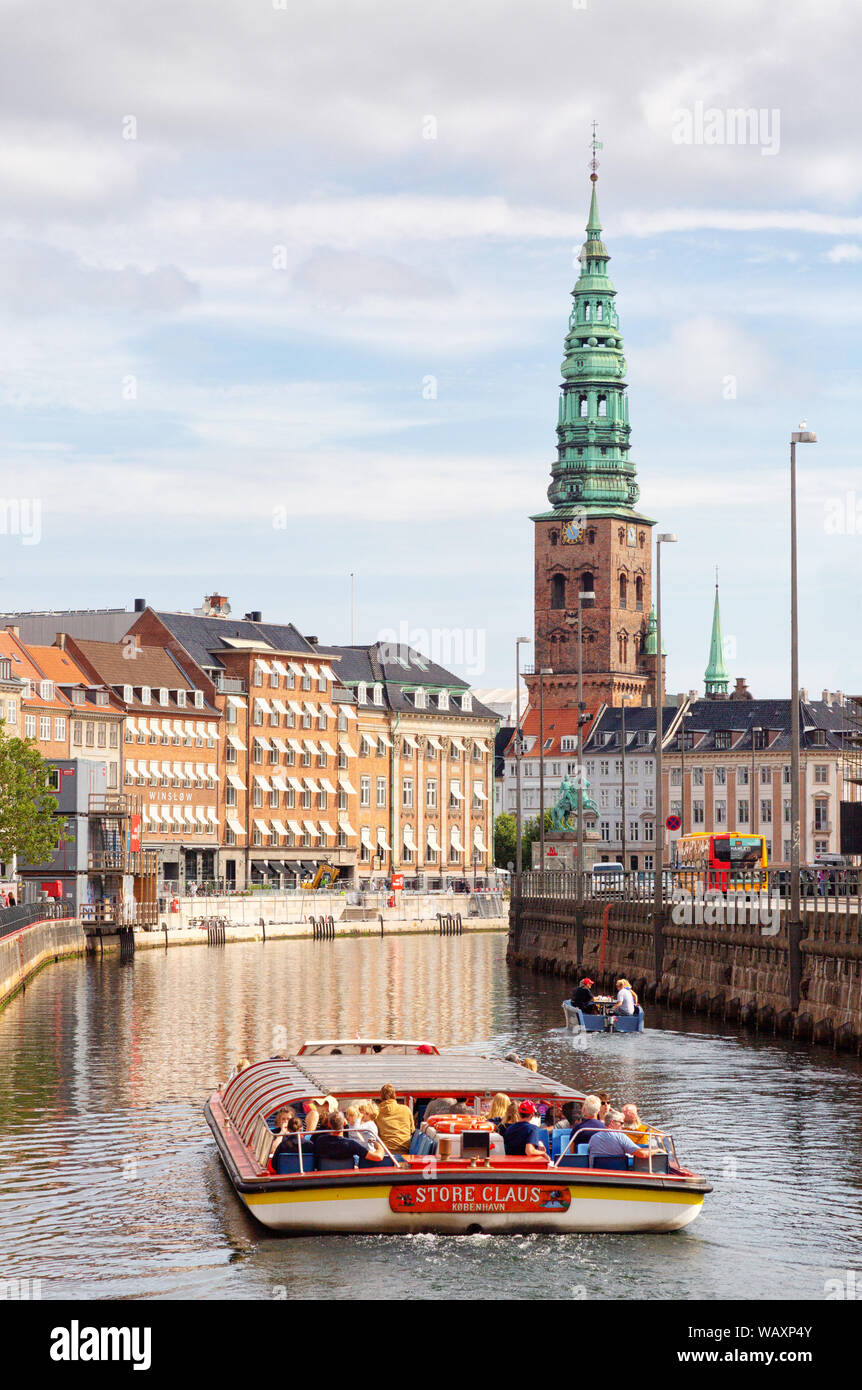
{"x":650,"y":638}
{"x":594,"y":226}
{"x":715,"y":677}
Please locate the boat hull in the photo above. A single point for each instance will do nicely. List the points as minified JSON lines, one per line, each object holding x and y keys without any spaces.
{"x":592,"y":1207}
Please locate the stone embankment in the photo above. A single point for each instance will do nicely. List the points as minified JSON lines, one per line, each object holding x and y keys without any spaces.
{"x":739,"y":973}
{"x":25,"y":952}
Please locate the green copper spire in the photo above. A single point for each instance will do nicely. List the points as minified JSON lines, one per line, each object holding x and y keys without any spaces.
{"x":650,"y":636}
{"x":593,"y":472}
{"x":716,"y":678}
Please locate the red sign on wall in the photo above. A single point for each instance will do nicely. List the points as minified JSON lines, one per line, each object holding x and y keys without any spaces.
{"x":135,"y":835}
{"x":479,"y":1197}
{"x":397,"y":881}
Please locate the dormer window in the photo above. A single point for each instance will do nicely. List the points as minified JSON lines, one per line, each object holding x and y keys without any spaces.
{"x":181,"y":699}
{"x":163,"y":695}
{"x":101,"y":697}
{"x":46,"y":690}
{"x":199,"y":699}
{"x":361,"y":693}
{"x":79,"y":697}
{"x":443,"y":699}
{"x":145,"y":694}
{"x":128,"y":694}
{"x":378,"y":694}
{"x":466,"y":702}
{"x":723,"y":738}
{"x":818,"y":738}
{"x":419,"y":699}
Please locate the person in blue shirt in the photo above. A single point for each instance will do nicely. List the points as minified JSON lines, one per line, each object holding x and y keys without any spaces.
{"x":610,"y":1142}
{"x":332,"y":1145}
{"x":521,"y":1139}
{"x":584,"y":1128}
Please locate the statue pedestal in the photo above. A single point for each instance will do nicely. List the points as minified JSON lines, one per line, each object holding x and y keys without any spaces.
{"x":561,"y":850}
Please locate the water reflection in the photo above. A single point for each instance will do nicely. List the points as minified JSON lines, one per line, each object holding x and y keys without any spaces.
{"x":111,"y":1187}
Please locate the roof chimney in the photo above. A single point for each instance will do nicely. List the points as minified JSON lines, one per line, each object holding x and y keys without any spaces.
{"x":60,"y":641}
{"x":140,"y":605}
{"x":255,"y":616}
{"x":312,"y":641}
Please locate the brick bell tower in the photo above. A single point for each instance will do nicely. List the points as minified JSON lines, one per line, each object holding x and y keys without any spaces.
{"x":593,"y":538}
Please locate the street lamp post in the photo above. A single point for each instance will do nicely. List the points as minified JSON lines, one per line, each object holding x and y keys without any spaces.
{"x":624,"y":699}
{"x":545,"y":671}
{"x":585,"y":600}
{"x":520,"y":642}
{"x":794,"y":928}
{"x":666,"y":538}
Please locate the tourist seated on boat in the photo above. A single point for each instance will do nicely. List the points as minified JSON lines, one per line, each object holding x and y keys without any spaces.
{"x":627,"y":1001}
{"x":289,"y":1138}
{"x":530,"y":1063}
{"x":497,"y":1109}
{"x":331,"y":1146}
{"x":278,"y":1122}
{"x":361,"y":1125}
{"x":604,"y":1105}
{"x":512,"y":1057}
{"x":584,"y":1128}
{"x":553,"y":1118}
{"x":611,"y":1142}
{"x":571,"y":1113}
{"x":395,"y":1123}
{"x":511,"y":1116}
{"x":583,"y":997}
{"x":522,"y":1139}
{"x":634,"y":1126}
{"x":443,"y":1105}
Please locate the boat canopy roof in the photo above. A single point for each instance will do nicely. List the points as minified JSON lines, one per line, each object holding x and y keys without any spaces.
{"x":359,"y":1045}
{"x":265,"y":1087}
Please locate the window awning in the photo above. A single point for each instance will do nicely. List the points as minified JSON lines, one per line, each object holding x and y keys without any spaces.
{"x":482,"y":744}
{"x":130,"y":766}
{"x":235,"y":825}
{"x":327,"y":671}
{"x":189,"y":813}
{"x":384,"y":738}
{"x":261,"y":825}
{"x":279,"y":706}
{"x":236,"y":742}
{"x":409,"y":842}
{"x":435,"y":742}
{"x":478,"y":841}
{"x":155,"y":768}
{"x":480,"y":793}
{"x":458,"y":742}
{"x":212,"y":815}
{"x":236,"y":701}
{"x":295,"y":827}
{"x":200,"y":770}
{"x":279,"y":667}
{"x":382,"y":840}
{"x":311,"y":829}
{"x":326,"y":828}
{"x":296,"y":707}
{"x":153,"y":813}
{"x":278,"y":827}
{"x":295,"y":667}
{"x":260,"y":665}
{"x":190,"y":771}
{"x":142,"y":726}
{"x":236,"y":782}
{"x":295,"y":783}
{"x":310,"y":708}
{"x":200,"y":729}
{"x":344,"y":824}
{"x":310,"y":671}
{"x":327,"y":786}
{"x":347,"y":747}
{"x":261,"y":703}
{"x":263,"y":741}
{"x":456,"y":839}
{"x":178,"y":769}
{"x":454,"y":791}
{"x":262,"y":782}
{"x":310,"y":746}
{"x":327,"y":710}
{"x":431,"y":836}
{"x":365,"y":837}
{"x":132,"y":727}
{"x":212,"y":729}
{"x":311,"y":783}
{"x":295,"y":745}
{"x":347,"y":711}
{"x":279,"y":784}
{"x":346,"y":785}
{"x":279,"y":744}
{"x":201,"y":815}
{"x":411,"y":742}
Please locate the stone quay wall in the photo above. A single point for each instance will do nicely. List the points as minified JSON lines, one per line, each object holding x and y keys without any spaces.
{"x":27,"y":951}
{"x":737,"y":973}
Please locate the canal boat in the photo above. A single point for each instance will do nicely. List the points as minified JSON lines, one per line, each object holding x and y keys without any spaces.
{"x":602,"y":1022}
{"x":349,"y":1047}
{"x":457,"y":1177}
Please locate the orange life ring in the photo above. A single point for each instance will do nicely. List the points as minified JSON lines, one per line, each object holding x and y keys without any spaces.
{"x":456,"y":1124}
{"x":175,"y":904}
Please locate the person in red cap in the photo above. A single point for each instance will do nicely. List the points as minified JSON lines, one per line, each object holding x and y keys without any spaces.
{"x":426,"y":1049}
{"x":522,"y":1138}
{"x":583,"y":997}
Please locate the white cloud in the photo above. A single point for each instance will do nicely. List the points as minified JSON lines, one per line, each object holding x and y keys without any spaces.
{"x":844,"y":251}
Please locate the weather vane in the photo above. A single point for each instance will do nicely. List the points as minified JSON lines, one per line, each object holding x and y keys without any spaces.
{"x":595,"y":145}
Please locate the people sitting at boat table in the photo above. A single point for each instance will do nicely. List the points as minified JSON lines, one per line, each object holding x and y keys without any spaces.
{"x":522,"y":1139}
{"x":584,"y":1128}
{"x":395,"y":1123}
{"x":331,"y":1145}
{"x":583,"y":997}
{"x":627,"y":1001}
{"x":611,"y":1142}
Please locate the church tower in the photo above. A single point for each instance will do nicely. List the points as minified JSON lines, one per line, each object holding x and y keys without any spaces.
{"x":593,"y":538}
{"x":716,"y":679}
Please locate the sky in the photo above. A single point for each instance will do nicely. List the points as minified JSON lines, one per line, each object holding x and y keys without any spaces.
{"x":284,"y":290}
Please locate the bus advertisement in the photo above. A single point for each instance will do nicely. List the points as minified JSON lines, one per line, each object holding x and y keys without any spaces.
{"x":723,"y":861}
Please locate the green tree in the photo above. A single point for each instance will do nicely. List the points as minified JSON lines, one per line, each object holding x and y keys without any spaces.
{"x":28,"y":825}
{"x":505,"y":835}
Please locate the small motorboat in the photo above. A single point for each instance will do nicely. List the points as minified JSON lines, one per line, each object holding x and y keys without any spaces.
{"x":456,"y":1176}
{"x":602,"y":1022}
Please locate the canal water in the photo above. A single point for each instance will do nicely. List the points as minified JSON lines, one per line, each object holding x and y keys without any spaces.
{"x":110,"y":1185}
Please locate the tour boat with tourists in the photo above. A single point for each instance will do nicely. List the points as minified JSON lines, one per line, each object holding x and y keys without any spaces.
{"x":456,"y":1176}
{"x":604,"y":1021}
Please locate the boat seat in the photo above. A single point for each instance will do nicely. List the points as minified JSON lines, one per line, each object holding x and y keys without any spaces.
{"x":289,"y":1163}
{"x":332,"y":1165}
{"x":416,"y":1142}
{"x":614,"y":1164}
{"x":559,"y":1140}
{"x":545,"y":1140}
{"x":385,"y":1162}
{"x":575,"y":1161}
{"x":582,"y":1148}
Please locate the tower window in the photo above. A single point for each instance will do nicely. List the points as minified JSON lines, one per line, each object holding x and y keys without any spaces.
{"x":624,"y":584}
{"x":639,"y":593}
{"x":586,"y":313}
{"x":599,"y":313}
{"x":582,"y":407}
{"x":554,"y":537}
{"x":587,"y":585}
{"x":558,"y":591}
{"x":603,"y":406}
{"x":591,"y":536}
